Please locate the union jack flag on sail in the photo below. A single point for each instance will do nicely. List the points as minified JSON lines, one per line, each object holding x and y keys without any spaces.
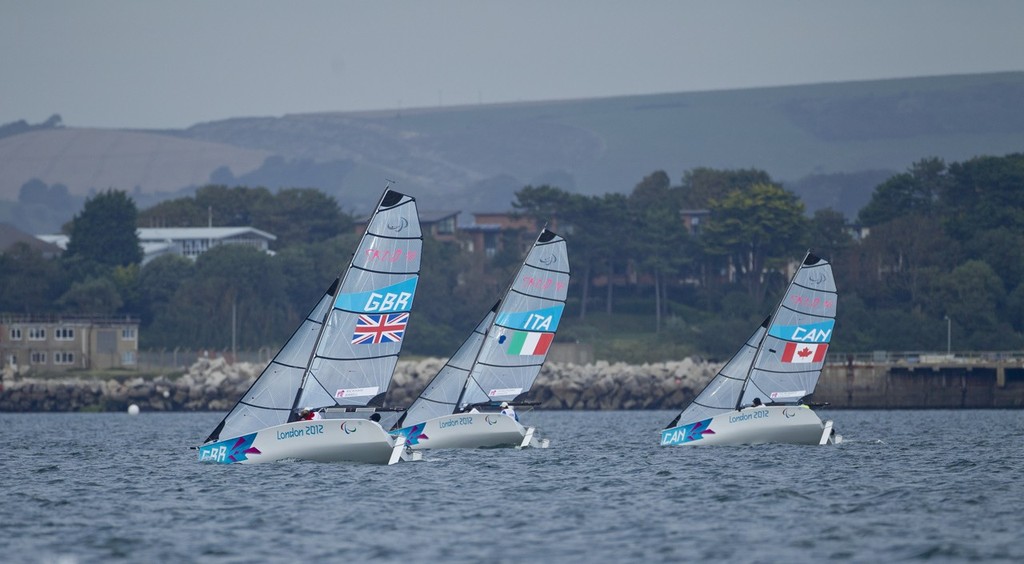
{"x":373,"y":329}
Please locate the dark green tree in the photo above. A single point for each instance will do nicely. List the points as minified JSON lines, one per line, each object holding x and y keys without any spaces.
{"x":915,"y":192}
{"x":29,"y":283}
{"x":92,"y":296}
{"x":829,"y":235}
{"x":104,"y":233}
{"x":237,"y":296}
{"x":300,"y":215}
{"x":757,"y":228}
{"x":658,"y":236}
{"x":701,"y":186}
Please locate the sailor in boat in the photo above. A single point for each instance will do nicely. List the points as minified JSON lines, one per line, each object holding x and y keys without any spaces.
{"x":308,"y":414}
{"x":757,"y":403}
{"x":375,"y":417}
{"x":507,"y":409}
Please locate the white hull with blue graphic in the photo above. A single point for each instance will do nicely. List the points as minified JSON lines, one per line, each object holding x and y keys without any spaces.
{"x":794,"y":424}
{"x":322,"y":440}
{"x":470,"y":430}
{"x":498,"y":362}
{"x":779,"y":365}
{"x":340,"y":358}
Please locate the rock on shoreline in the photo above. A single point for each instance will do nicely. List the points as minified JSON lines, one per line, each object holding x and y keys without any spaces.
{"x":215,"y":385}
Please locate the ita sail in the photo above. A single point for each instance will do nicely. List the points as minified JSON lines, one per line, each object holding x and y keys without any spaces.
{"x":471,"y":401}
{"x":758,"y":395}
{"x":311,"y":401}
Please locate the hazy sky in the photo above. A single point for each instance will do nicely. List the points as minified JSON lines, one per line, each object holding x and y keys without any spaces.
{"x":174,"y":63}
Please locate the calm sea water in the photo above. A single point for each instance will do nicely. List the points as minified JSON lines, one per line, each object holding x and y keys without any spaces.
{"x":906,"y":485}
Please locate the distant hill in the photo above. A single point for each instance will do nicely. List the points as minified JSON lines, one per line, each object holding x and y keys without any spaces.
{"x":831,"y":143}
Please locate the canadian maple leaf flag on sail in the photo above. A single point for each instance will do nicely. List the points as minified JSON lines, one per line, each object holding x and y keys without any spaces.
{"x":804,"y":352}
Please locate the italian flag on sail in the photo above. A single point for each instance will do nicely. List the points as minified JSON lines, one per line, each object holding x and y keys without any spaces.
{"x":804,"y":352}
{"x":529,"y":343}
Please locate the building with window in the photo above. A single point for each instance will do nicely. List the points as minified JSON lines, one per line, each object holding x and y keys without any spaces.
{"x":189,"y":242}
{"x":55,"y":343}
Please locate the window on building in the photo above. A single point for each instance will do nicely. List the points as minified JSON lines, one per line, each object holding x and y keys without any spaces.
{"x":37,"y":334}
{"x":446,"y":226}
{"x":63,"y":357}
{"x":128,"y":358}
{"x":64,"y":334}
{"x":15,"y":333}
{"x":38,"y":358}
{"x":128,"y":334}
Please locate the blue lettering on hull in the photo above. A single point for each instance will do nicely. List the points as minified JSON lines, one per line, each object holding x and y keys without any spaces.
{"x":686,"y":433}
{"x":229,"y":451}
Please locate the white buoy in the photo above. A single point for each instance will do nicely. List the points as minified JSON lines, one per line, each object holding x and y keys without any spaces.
{"x":133,"y":409}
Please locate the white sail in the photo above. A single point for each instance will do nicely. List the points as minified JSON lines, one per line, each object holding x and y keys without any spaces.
{"x":269,"y":400}
{"x":517,"y":341}
{"x":441,"y":395}
{"x":345,"y":351}
{"x":780,"y":363}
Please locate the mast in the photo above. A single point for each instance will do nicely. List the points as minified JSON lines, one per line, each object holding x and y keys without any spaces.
{"x":338,"y":284}
{"x":771,"y":319}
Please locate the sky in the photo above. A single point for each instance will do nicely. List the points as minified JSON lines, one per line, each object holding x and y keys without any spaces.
{"x":172,"y":64}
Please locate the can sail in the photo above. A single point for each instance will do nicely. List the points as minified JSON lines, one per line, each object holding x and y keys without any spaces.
{"x":781,"y":362}
{"x":345,"y":351}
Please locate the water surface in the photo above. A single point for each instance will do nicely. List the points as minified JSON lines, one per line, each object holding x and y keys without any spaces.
{"x":904,"y":486}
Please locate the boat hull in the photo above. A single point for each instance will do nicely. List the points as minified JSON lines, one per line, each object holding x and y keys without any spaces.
{"x":751,"y":426}
{"x":322,"y":440}
{"x":469,"y":430}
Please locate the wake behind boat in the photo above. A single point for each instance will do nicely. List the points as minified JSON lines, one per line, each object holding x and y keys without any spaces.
{"x":339,"y":361}
{"x":779,"y":364}
{"x":464,"y":405}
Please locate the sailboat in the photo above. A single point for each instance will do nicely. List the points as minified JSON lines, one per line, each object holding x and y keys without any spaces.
{"x":758,"y":395}
{"x":338,"y":362}
{"x":497,"y":364}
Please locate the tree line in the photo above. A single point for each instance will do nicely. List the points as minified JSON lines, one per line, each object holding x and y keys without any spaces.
{"x":939,"y":241}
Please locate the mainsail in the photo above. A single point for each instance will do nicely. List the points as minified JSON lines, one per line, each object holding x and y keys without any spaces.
{"x":518,"y":337}
{"x":344,"y":352}
{"x":781,"y":361}
{"x":441,"y":395}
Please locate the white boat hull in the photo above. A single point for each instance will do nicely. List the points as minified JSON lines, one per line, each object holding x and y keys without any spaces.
{"x":322,"y":440}
{"x":754,"y":425}
{"x":469,"y":430}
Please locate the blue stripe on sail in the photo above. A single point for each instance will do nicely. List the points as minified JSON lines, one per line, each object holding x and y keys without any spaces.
{"x":808,"y":333}
{"x":397,"y":297}
{"x":545,"y":319}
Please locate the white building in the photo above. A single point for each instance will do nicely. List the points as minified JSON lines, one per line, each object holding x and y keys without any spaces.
{"x":189,"y":242}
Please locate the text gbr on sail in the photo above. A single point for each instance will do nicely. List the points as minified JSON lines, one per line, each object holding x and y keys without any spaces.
{"x":388,"y":301}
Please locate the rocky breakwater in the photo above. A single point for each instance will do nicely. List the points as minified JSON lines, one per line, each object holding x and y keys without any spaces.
{"x":215,"y":385}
